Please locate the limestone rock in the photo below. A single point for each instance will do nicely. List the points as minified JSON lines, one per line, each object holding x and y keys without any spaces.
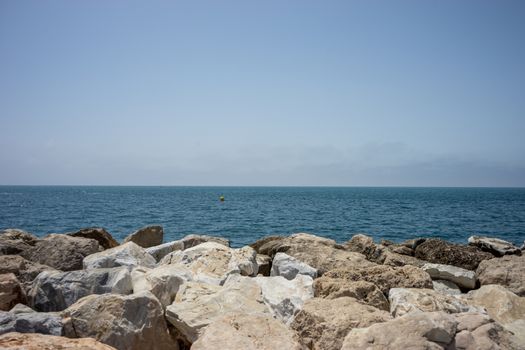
{"x":128,"y":254}
{"x":55,"y":291}
{"x":11,"y":292}
{"x":160,"y":251}
{"x":406,"y":300}
{"x":20,"y":341}
{"x":508,"y":271}
{"x":323,"y":323}
{"x":25,"y":270}
{"x":463,"y":278}
{"x":395,"y":259}
{"x":264,"y":264}
{"x":99,"y":234}
{"x":31,"y":322}
{"x":442,"y":252}
{"x":366,"y":292}
{"x":363,"y":244}
{"x":126,"y":322}
{"x":446,"y":287}
{"x":496,"y":246}
{"x":15,"y":241}
{"x":289,"y":267}
{"x":243,"y":332}
{"x":146,"y":237}
{"x":212,"y":262}
{"x":62,"y":252}
{"x":21,"y":309}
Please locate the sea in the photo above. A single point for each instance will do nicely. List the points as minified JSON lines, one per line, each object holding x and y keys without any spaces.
{"x":250,"y":213}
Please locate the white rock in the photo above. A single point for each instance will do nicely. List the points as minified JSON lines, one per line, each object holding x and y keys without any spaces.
{"x":128,"y":254}
{"x":462,"y":277}
{"x":160,"y":251}
{"x":446,"y":287}
{"x":289,"y":267}
{"x":496,"y":246}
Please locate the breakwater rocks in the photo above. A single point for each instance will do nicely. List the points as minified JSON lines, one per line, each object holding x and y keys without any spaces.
{"x":84,"y":290}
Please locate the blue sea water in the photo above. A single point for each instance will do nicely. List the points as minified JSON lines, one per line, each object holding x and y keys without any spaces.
{"x":249,"y":213}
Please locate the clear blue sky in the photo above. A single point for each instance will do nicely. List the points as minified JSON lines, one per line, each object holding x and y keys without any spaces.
{"x":417,"y":93}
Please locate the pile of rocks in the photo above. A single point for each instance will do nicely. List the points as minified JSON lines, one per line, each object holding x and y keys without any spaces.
{"x":84,"y":290}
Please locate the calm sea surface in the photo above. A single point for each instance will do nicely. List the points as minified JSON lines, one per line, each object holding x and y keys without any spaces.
{"x":249,"y":213}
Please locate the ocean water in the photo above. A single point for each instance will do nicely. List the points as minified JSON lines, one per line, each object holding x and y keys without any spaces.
{"x":249,"y":213}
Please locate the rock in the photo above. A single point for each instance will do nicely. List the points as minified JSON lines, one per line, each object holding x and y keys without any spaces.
{"x":127,"y":254}
{"x":21,"y":309}
{"x":503,"y":306}
{"x":289,"y":267}
{"x":267,"y":244}
{"x":395,"y":259}
{"x":463,"y":278}
{"x":146,"y":237}
{"x":446,"y":287}
{"x":406,"y":300}
{"x":25,"y":270}
{"x":385,"y":277}
{"x":62,"y":252}
{"x":285,"y":298}
{"x":14,"y":241}
{"x":366,"y":292}
{"x":496,"y":246}
{"x":31,"y":322}
{"x":212,"y":262}
{"x":241,"y":331}
{"x":361,"y":244}
{"x":323,"y":323}
{"x":508,"y":271}
{"x":11,"y":292}
{"x":99,"y":234}
{"x":198,"y":304}
{"x":441,"y":252}
{"x":163,"y":281}
{"x":264,"y":264}
{"x":19,"y":341}
{"x":160,"y":251}
{"x":126,"y":322}
{"x":55,"y":291}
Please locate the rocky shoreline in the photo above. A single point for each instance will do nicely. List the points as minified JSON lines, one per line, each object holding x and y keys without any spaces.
{"x":84,"y":290}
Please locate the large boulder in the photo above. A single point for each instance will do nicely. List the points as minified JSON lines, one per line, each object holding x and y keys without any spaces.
{"x":198,"y":304}
{"x":126,"y":322}
{"x":99,"y":234}
{"x":128,"y":254}
{"x":21,"y":341}
{"x":62,"y":252}
{"x":289,"y":267}
{"x":496,"y":246}
{"x":323,"y":323}
{"x":15,"y":241}
{"x":160,"y":251}
{"x":146,"y":237}
{"x":508,"y":271}
{"x":55,"y":291}
{"x":25,"y":270}
{"x":11,"y":292}
{"x":242,"y":331}
{"x":366,"y":292}
{"x":212,"y":262}
{"x":31,"y":322}
{"x":465,"y":279}
{"x":446,"y":253}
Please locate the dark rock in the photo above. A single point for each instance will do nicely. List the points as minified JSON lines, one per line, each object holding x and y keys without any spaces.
{"x":31,"y":322}
{"x":14,"y":241}
{"x":442,"y":252}
{"x":146,"y":237}
{"x":99,"y":234}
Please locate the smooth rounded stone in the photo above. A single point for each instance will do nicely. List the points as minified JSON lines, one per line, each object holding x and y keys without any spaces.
{"x":163,"y":281}
{"x":55,"y":291}
{"x":31,"y":322}
{"x":126,"y":322}
{"x":146,"y":237}
{"x":289,"y":267}
{"x":15,"y":241}
{"x":463,"y":278}
{"x":21,"y":309}
{"x":446,"y":287}
{"x":442,"y":252}
{"x":212,"y":262}
{"x":508,"y":271}
{"x":62,"y":252}
{"x":11,"y":292}
{"x":21,"y":341}
{"x":264,"y":264}
{"x":496,"y":246}
{"x":127,"y":254}
{"x":366,"y":292}
{"x":198,"y":304}
{"x":323,"y":323}
{"x":246,"y":332}
{"x":503,"y":306}
{"x":385,"y":277}
{"x":284,"y":297}
{"x":99,"y":234}
{"x":407,"y":300}
{"x":25,"y":270}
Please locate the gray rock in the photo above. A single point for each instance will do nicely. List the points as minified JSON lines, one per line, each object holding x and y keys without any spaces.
{"x":146,"y":237}
{"x":289,"y":267}
{"x":446,"y":287}
{"x":463,"y":278}
{"x":31,"y":322}
{"x":21,"y":309}
{"x":55,"y":291}
{"x":496,"y":246}
{"x":196,"y":239}
{"x":128,"y":254}
{"x":160,"y":251}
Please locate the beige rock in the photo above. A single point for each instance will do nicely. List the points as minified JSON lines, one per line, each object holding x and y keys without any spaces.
{"x":25,"y":270}
{"x":246,"y":332}
{"x":160,"y":251}
{"x":127,"y":254}
{"x":11,"y":292}
{"x":463,"y":278}
{"x":496,"y":246}
{"x":442,"y":252}
{"x":323,"y":323}
{"x":391,"y":258}
{"x":33,"y":341}
{"x":15,"y":241}
{"x":508,"y":271}
{"x":146,"y":237}
{"x":99,"y":234}
{"x":446,"y":287}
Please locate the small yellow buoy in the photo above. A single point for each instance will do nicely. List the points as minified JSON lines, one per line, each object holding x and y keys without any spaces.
{"x":221,"y":198}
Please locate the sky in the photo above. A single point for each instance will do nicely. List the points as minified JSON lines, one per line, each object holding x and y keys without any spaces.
{"x":265,"y":93}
